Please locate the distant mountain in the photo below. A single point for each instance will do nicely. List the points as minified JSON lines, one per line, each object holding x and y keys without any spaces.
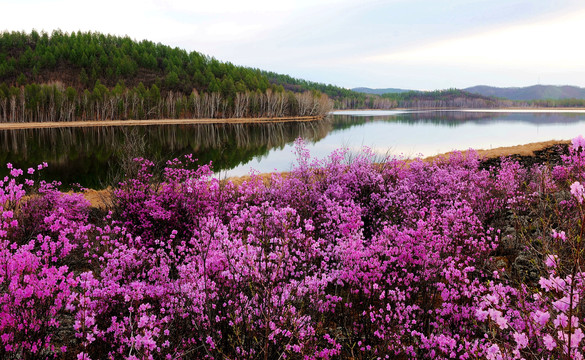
{"x":366,"y":90}
{"x":535,"y":92}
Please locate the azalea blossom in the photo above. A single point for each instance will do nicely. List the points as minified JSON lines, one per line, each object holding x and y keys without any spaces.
{"x":578,"y":191}
{"x":578,"y":142}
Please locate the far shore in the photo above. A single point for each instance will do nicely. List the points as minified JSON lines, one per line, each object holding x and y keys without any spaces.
{"x":99,"y":198}
{"x":97,"y":123}
{"x":502,"y":109}
{"x":153,"y":122}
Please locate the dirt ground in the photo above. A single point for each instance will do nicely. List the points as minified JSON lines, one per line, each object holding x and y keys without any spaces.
{"x":537,"y":150}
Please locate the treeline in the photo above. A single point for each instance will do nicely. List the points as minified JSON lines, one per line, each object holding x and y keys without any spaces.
{"x":348,"y":99}
{"x":91,"y":76}
{"x":144,"y":80}
{"x":449,"y":98}
{"x":556,"y":103}
{"x":343,"y":98}
{"x":56,"y":102}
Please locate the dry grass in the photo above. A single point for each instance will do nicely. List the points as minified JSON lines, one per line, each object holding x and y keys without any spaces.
{"x":64,"y":124}
{"x":523,"y":150}
{"x":99,"y":198}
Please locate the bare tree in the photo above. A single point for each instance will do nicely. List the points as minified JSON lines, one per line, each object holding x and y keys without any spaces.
{"x":4,"y":108}
{"x":196,"y":103}
{"x":241,"y":104}
{"x":305,"y":101}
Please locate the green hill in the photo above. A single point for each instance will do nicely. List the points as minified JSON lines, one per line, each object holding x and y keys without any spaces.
{"x":367,"y":90}
{"x":92,"y":76}
{"x":96,"y":76}
{"x":80,"y":59}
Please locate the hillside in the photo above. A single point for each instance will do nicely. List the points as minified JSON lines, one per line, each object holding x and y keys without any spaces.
{"x":344,"y":98}
{"x":366,"y":90}
{"x":63,"y":77}
{"x":449,"y":98}
{"x":91,"y":76}
{"x":80,"y":59}
{"x":535,"y":92}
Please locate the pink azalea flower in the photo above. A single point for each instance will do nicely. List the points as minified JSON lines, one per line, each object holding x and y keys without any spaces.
{"x":559,"y":235}
{"x":578,"y":142}
{"x":578,"y":191}
{"x":561,"y":321}
{"x":576,"y":337}
{"x":562,"y":305}
{"x":549,"y":342}
{"x":551,"y":261}
{"x":541,"y":317}
{"x":521,"y":340}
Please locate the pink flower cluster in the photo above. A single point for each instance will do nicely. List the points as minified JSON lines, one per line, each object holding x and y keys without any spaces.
{"x":340,"y":258}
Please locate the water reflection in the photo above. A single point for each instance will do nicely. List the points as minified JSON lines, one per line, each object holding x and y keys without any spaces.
{"x":427,"y":133}
{"x":89,"y":156}
{"x":458,"y":118}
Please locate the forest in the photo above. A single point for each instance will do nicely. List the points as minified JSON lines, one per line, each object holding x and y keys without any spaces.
{"x":456,"y":98}
{"x":92,"y":76}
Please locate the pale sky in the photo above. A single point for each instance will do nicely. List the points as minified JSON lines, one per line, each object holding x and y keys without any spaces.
{"x":410,"y":44}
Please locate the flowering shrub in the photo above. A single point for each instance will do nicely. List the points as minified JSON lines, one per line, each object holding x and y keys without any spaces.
{"x":545,"y":320}
{"x":35,"y":279}
{"x":340,"y":258}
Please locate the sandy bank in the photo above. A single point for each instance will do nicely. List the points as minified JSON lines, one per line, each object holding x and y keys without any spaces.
{"x":523,"y":150}
{"x":62,"y":124}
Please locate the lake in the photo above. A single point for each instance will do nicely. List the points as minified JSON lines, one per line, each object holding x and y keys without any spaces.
{"x":93,"y":156}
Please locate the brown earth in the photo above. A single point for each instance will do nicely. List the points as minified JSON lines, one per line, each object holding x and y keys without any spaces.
{"x":99,"y":198}
{"x":528,"y":154}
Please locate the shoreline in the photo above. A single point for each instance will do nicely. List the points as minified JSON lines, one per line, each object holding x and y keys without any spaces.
{"x":521,"y":150}
{"x":272,"y":120}
{"x":154,"y":122}
{"x":502,"y":109}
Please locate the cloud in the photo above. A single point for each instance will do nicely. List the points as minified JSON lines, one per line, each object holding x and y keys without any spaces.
{"x":539,"y":45}
{"x":405,"y":43}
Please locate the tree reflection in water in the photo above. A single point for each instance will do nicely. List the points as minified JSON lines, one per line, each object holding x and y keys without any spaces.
{"x":92,"y":156}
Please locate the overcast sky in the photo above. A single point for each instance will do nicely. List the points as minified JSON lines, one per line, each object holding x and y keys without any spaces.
{"x":412,"y":44}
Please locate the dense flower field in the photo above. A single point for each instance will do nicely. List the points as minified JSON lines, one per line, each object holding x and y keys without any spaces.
{"x":342,"y":258}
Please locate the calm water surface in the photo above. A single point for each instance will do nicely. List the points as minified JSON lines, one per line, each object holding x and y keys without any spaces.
{"x":92,"y":156}
{"x":427,"y":133}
